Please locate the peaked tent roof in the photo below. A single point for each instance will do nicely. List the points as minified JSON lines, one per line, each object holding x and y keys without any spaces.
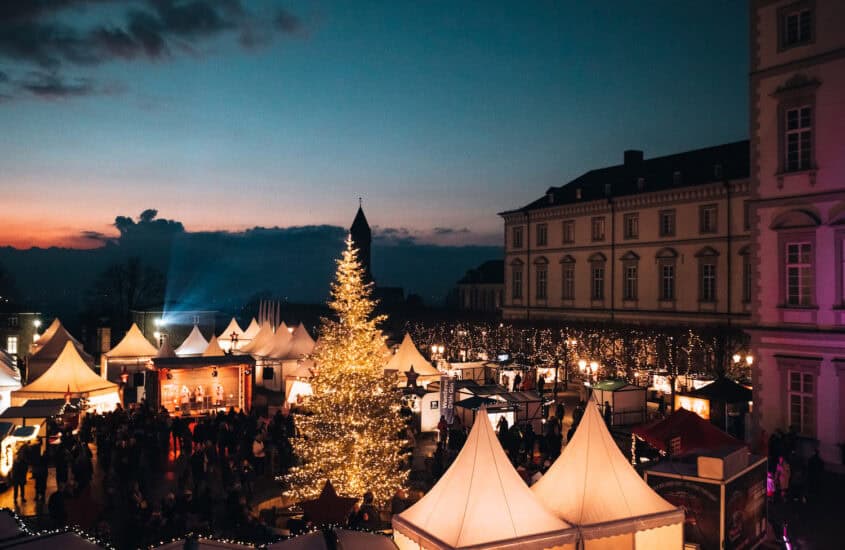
{"x":481,"y":500}
{"x":261,"y":343}
{"x":408,"y":356}
{"x":8,"y":366}
{"x":233,"y":326}
{"x":69,"y":371}
{"x":341,"y":539}
{"x":281,"y":342}
{"x":301,"y":343}
{"x":251,"y":330}
{"x":166,"y":350}
{"x":213,"y":349}
{"x":48,"y":334}
{"x":194,"y":344}
{"x":134,"y":344}
{"x":7,"y":377}
{"x":593,"y":484}
{"x":47,"y":352}
{"x":695,"y":433}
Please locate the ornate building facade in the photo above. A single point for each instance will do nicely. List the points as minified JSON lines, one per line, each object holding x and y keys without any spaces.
{"x":661,"y":240}
{"x":797,"y":109}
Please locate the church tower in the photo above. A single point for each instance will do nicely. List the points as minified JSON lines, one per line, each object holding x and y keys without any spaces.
{"x":362,"y":238}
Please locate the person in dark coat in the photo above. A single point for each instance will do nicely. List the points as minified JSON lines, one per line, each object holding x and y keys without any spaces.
{"x":19,"y":471}
{"x":39,"y":472}
{"x":608,"y":414}
{"x":517,"y":382}
{"x":368,"y":514}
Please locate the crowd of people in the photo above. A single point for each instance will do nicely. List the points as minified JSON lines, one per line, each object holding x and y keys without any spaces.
{"x":160,"y":476}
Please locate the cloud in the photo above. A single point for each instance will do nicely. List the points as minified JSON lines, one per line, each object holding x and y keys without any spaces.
{"x":37,"y":33}
{"x":450,"y":231}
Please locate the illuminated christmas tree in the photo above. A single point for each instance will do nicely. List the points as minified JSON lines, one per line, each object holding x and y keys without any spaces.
{"x":351,"y":432}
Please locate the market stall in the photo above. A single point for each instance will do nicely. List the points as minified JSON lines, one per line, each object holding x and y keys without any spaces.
{"x":193,"y":386}
{"x":627,"y":401}
{"x":48,"y":348}
{"x":70,"y":377}
{"x":335,"y":539}
{"x":728,"y":404}
{"x":408,"y":356}
{"x":593,"y":487}
{"x":232,"y":336}
{"x":10,"y":380}
{"x":130,"y":356}
{"x":194,"y":344}
{"x":481,"y":502}
{"x":723,"y":493}
{"x":684,"y":432}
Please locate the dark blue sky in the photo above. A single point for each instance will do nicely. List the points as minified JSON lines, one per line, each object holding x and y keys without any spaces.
{"x":439,"y":114}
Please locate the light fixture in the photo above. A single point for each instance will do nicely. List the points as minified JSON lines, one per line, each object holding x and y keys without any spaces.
{"x":37,"y":323}
{"x":158,"y":321}
{"x":749,"y":359}
{"x":736,"y":358}
{"x":156,"y":335}
{"x":214,"y":372}
{"x":582,"y":364}
{"x":124,"y":375}
{"x":594,"y":367}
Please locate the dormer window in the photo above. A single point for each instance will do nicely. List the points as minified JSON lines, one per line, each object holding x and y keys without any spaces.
{"x":578,"y":194}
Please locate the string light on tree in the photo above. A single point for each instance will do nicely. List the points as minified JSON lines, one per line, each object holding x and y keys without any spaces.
{"x":351,"y":432}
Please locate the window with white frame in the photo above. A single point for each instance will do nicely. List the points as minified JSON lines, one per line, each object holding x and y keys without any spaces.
{"x":798,"y":149}
{"x":708,"y":280}
{"x":516,"y":238}
{"x":598,"y":228}
{"x":568,"y":281}
{"x":569,"y":231}
{"x":796,"y":27}
{"x":799,"y":274}
{"x":597,"y":281}
{"x":667,"y":223}
{"x":516,"y":282}
{"x":667,"y":281}
{"x":630,"y":287}
{"x":802,"y":402}
{"x":542,"y":234}
{"x":12,"y":345}
{"x":632,"y":225}
{"x":542,"y":282}
{"x":707,"y":218}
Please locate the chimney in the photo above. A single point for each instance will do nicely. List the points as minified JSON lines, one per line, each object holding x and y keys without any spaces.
{"x":633,"y":159}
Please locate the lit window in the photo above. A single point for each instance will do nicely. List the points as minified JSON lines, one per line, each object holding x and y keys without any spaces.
{"x":542,"y":234}
{"x":667,"y":223}
{"x":799,"y":274}
{"x":799,"y":139}
{"x":802,"y":403}
{"x":12,"y":345}
{"x":632,"y":226}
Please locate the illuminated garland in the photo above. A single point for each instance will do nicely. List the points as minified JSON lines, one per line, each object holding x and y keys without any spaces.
{"x":28,"y":531}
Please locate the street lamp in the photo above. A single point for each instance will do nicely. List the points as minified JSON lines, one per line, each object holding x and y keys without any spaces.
{"x":594,"y":367}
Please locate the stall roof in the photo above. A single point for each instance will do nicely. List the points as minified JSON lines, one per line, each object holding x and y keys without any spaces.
{"x":227,"y":360}
{"x":252,"y":330}
{"x":194,"y":344}
{"x":481,"y":501}
{"x":233,"y":326}
{"x":407,"y":356}
{"x":695,"y":433}
{"x":38,"y":408}
{"x":592,"y":485}
{"x":68,"y":373}
{"x":725,"y":390}
{"x":49,"y":347}
{"x":213,"y":348}
{"x":475,"y":402}
{"x":616,"y":385}
{"x":134,"y":344}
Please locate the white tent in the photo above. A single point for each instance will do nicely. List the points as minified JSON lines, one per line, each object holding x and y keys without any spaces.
{"x":281,"y":343}
{"x":408,"y":356}
{"x":10,"y":379}
{"x":233,"y":328}
{"x":594,"y":487}
{"x":261,"y":343}
{"x":166,"y":350}
{"x":133,"y":345}
{"x":301,"y":343}
{"x":48,"y":348}
{"x":70,"y":374}
{"x":252,"y":330}
{"x":194,"y":344}
{"x":346,"y":540}
{"x":481,"y":502}
{"x":213,"y":348}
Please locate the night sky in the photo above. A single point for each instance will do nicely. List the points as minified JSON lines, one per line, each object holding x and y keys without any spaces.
{"x":226,"y":115}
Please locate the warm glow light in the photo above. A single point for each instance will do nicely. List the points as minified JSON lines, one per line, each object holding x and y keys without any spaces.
{"x":156,"y":335}
{"x":158,"y":321}
{"x":699,"y":406}
{"x":736,"y":358}
{"x":37,"y":323}
{"x":749,"y":359}
{"x":582,"y":364}
{"x":594,"y":367}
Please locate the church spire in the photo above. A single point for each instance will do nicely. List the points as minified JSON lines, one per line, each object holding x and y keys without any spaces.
{"x":362,"y":238}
